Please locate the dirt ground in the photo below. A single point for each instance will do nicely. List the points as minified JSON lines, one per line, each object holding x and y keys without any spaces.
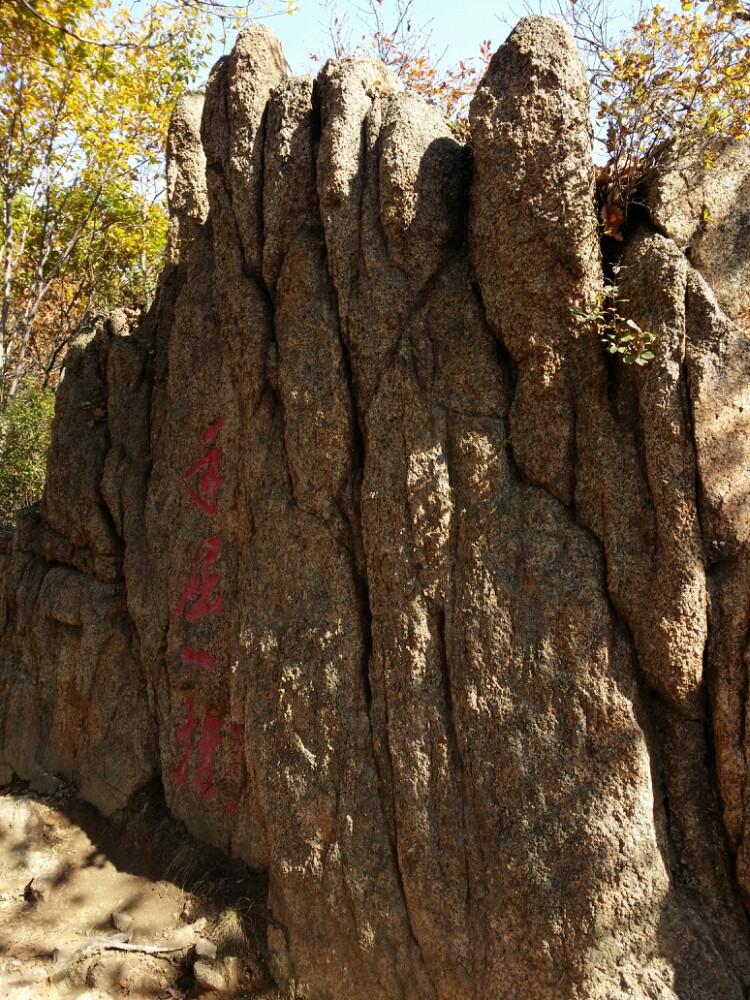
{"x":131,"y":906}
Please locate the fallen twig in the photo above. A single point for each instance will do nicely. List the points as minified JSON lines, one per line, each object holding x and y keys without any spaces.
{"x":123,"y":946}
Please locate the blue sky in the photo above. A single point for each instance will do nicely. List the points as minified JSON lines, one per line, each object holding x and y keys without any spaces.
{"x":457,"y":28}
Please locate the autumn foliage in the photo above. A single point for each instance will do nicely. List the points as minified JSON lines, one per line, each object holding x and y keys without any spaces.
{"x":85,"y":94}
{"x":676,"y":78}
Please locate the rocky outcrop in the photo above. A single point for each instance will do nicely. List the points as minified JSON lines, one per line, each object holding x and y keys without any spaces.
{"x":413,"y":597}
{"x":186,"y":174}
{"x":75,"y":695}
{"x":699,"y":198}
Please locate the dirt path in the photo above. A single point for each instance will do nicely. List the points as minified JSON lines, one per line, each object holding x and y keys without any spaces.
{"x":126,"y":907}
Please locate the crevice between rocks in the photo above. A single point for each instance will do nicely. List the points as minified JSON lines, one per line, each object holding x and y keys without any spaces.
{"x":713,"y":777}
{"x":445,"y":632}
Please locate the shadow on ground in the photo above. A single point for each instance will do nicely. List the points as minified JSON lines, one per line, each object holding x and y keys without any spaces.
{"x":126,"y":906}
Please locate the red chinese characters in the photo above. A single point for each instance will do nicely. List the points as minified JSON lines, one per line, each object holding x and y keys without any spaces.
{"x":208,"y":742}
{"x":184,"y":736}
{"x":206,"y":468}
{"x":201,"y":595}
{"x":197,"y":658}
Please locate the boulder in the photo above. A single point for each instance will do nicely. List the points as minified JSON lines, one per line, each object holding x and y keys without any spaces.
{"x":413,"y":596}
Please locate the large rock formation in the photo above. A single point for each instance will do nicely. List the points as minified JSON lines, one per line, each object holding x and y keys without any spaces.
{"x":411,"y":595}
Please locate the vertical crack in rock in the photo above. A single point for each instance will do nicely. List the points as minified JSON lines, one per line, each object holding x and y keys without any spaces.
{"x":345,"y":91}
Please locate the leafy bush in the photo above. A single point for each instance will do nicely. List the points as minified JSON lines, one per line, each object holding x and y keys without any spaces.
{"x":25,"y":426}
{"x":677,"y":77}
{"x":620,"y":336}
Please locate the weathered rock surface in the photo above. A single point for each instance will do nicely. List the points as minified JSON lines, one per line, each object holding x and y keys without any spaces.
{"x":700,"y":199}
{"x":186,"y":174}
{"x":411,"y":596}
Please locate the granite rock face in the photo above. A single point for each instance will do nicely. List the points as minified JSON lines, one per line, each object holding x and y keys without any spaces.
{"x":700,"y":199}
{"x":411,"y":596}
{"x":186,"y":174}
